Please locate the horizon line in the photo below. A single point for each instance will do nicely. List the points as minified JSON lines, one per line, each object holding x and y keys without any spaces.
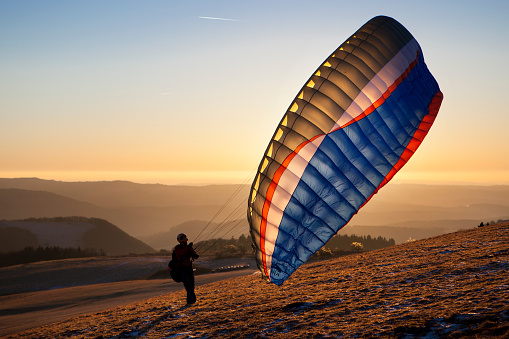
{"x":244,"y":182}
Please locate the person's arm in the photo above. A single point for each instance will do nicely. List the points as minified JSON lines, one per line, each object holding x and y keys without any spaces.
{"x":193,"y":253}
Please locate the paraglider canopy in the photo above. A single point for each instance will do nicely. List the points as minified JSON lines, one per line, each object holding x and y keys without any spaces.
{"x":356,"y":122}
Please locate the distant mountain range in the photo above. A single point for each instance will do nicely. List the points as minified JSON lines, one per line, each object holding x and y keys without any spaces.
{"x":21,"y":203}
{"x":157,"y":213}
{"x":86,"y":233}
{"x":138,"y":209}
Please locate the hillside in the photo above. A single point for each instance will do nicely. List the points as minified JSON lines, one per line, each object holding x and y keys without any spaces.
{"x":410,"y":230}
{"x":454,"y":285}
{"x":137,"y":209}
{"x":115,"y":194}
{"x":74,"y":232}
{"x":21,"y":204}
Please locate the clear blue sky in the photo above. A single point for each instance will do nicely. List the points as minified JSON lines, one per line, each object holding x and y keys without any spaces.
{"x":158,"y":91}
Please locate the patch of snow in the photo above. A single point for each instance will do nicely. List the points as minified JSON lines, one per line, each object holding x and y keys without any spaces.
{"x":298,"y":307}
{"x":178,"y":335}
{"x":134,"y":334}
{"x":385,"y":265}
{"x":334,"y":302}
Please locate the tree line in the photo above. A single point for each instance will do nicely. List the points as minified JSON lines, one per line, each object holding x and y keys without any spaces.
{"x":340,"y":245}
{"x":218,"y":248}
{"x":242,"y":246}
{"x":344,"y":242}
{"x":493,"y":222}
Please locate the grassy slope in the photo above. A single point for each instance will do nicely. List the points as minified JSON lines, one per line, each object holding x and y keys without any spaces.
{"x":453,"y":285}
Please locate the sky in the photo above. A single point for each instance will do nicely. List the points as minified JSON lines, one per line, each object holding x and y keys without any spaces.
{"x":190,"y":92}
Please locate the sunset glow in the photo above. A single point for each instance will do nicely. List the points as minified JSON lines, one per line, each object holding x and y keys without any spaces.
{"x":191,"y":93}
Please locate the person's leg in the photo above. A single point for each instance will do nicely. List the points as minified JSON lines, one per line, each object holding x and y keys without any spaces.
{"x":188,"y":280}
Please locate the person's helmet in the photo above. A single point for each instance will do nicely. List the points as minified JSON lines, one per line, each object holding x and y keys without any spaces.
{"x":181,"y":237}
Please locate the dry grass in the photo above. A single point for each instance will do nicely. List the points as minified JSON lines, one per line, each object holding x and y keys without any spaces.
{"x":455,"y":285}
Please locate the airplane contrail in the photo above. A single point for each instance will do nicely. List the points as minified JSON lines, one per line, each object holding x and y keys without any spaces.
{"x":212,"y":18}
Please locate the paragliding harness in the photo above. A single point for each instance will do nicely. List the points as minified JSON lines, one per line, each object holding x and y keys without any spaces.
{"x":174,"y":268}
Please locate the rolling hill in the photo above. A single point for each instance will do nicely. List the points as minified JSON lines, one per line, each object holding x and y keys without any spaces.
{"x":21,"y":203}
{"x":72,"y":232}
{"x":121,"y":194}
{"x":149,"y":211}
{"x":136,"y":220}
{"x":139,"y":209}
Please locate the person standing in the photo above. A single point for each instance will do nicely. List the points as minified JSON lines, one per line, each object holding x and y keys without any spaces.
{"x":185,"y":255}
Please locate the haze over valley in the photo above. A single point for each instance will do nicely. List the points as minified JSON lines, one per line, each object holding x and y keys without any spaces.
{"x":156,"y":213}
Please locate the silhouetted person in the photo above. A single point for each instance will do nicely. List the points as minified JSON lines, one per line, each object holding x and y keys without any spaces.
{"x":185,"y":255}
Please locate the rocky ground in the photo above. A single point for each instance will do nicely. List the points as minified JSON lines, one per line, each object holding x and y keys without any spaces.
{"x":454,"y":285}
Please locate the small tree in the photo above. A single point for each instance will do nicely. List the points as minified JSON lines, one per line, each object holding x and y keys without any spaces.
{"x":324,"y":253}
{"x":357,"y":246}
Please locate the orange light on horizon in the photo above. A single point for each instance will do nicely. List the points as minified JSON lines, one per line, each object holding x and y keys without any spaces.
{"x":245,"y":177}
{"x":142,"y":177}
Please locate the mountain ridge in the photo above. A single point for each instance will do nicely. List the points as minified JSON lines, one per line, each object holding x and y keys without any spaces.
{"x":145,"y":210}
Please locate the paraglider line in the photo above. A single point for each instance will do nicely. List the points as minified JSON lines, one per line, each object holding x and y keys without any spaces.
{"x":234,"y":194}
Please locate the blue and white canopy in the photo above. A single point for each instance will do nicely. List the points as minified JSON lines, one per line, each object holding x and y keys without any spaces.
{"x":353,"y":125}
